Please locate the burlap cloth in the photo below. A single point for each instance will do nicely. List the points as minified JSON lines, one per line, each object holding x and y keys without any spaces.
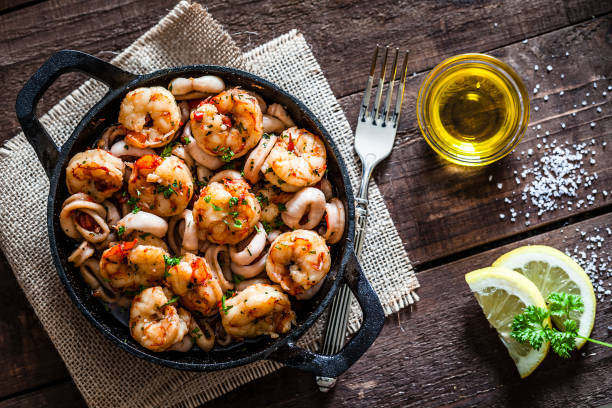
{"x":106,"y":375}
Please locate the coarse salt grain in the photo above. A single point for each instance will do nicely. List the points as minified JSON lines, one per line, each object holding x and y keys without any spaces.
{"x":535,"y":67}
{"x":549,"y":68}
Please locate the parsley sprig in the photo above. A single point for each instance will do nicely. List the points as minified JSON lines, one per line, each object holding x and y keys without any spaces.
{"x":530,"y":327}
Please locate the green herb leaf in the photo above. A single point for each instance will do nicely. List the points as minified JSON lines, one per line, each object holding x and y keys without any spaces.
{"x":174,"y":299}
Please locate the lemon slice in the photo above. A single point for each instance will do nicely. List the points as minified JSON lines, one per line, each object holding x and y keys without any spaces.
{"x":553,"y":271}
{"x":503,"y":294}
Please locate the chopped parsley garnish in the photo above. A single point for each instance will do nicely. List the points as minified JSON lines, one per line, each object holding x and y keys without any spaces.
{"x":237,"y":223}
{"x":223,"y":307}
{"x":281,"y":207}
{"x":167,"y":152}
{"x":170,"y":262}
{"x":174,"y":299}
{"x":133,"y":200}
{"x":167,"y":190}
{"x":216,"y":207}
{"x":263,"y":200}
{"x":266,"y":226}
{"x":233,"y":201}
{"x":135,"y":210}
{"x":207,"y":198}
{"x":237,"y":279}
{"x":227,"y":155}
{"x":120,"y":230}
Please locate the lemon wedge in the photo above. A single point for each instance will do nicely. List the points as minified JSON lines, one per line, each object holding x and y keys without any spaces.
{"x":503,"y":294}
{"x":553,"y":271}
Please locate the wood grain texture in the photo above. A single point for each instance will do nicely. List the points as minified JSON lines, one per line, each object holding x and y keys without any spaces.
{"x":444,"y":353}
{"x":451,"y":209}
{"x":341,"y":33}
{"x":27,"y":356}
{"x":440,"y":208}
{"x":62,"y":394}
{"x":441,"y":353}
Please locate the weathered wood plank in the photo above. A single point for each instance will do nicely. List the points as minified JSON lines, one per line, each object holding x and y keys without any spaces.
{"x":341,"y":33}
{"x":444,"y":353}
{"x":27,"y":356}
{"x":63,"y":394}
{"x":8,"y":6}
{"x":440,"y":208}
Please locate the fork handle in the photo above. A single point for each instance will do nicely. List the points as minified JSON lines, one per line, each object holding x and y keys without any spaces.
{"x":335,"y":333}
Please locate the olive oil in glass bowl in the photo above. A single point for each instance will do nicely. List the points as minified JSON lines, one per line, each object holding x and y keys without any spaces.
{"x":473,"y":109}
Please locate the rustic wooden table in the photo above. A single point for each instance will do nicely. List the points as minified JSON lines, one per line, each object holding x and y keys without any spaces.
{"x":441,"y":351}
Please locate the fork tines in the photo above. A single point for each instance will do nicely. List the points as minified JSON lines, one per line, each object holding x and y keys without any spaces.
{"x":384,"y":116}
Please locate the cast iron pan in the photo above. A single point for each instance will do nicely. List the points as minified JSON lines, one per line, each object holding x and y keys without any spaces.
{"x":345,"y":266}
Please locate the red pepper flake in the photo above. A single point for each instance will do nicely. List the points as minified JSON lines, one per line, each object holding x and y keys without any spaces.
{"x":198,"y":116}
{"x":290,"y":145}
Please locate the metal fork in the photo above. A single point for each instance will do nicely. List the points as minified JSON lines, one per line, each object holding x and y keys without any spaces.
{"x":374,"y":137}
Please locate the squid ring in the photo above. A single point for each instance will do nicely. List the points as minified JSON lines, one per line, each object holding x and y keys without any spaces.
{"x":279,"y":112}
{"x":110,"y":135}
{"x":246,"y":283}
{"x":309,"y":201}
{"x":207,"y":84}
{"x":334,"y":221}
{"x":184,"y":227}
{"x":81,"y":254}
{"x":272,"y":124}
{"x":257,"y":157}
{"x":222,"y":272}
{"x":253,"y":249}
{"x":90,"y":224}
{"x":225,"y":174}
{"x":112,"y":213}
{"x":145,"y":222}
{"x":252,"y":270}
{"x":122,"y":149}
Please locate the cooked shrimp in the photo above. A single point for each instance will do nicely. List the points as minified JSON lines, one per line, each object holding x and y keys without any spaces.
{"x":256,"y":158}
{"x":200,"y":156}
{"x":227,"y":125}
{"x":192,"y":88}
{"x":271,"y":198}
{"x":95,"y":172}
{"x":298,"y":159}
{"x":298,"y":260}
{"x":151,"y":117}
{"x":258,"y":309}
{"x":155,"y":322}
{"x":307,"y":203}
{"x":334,"y":221}
{"x":196,"y":285}
{"x":226,"y":212}
{"x":82,"y":218}
{"x":162,"y":186}
{"x":128,"y":265}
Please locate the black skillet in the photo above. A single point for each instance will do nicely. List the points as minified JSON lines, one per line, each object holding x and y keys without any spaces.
{"x":345,"y":266}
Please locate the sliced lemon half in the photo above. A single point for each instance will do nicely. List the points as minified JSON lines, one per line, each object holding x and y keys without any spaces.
{"x":503,"y":294}
{"x":553,"y":271}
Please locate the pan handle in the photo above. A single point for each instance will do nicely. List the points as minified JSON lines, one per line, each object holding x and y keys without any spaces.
{"x":334,"y":365}
{"x":27,"y":99}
